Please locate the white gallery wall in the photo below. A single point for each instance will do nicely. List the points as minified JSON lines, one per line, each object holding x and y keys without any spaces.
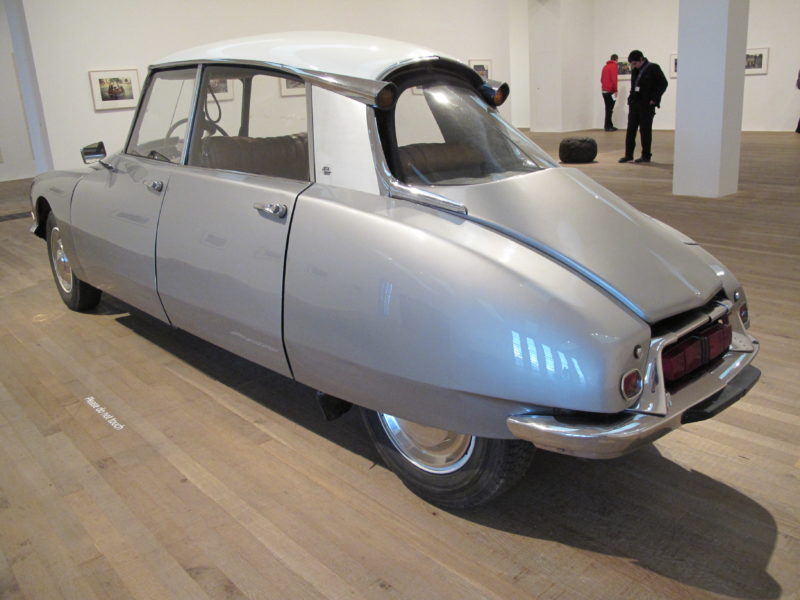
{"x":556,"y":86}
{"x":71,"y":37}
{"x":771,"y":101}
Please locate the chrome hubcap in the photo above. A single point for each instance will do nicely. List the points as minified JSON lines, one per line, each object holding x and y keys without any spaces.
{"x":429,"y":448}
{"x":60,"y":261}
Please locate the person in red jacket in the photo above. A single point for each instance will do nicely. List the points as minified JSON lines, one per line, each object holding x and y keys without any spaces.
{"x":608,"y":83}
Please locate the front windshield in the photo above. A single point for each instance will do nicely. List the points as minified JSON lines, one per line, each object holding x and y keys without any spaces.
{"x":447,"y":135}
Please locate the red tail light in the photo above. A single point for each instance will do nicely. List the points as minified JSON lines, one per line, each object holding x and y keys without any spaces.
{"x":685,"y":357}
{"x":719,"y":340}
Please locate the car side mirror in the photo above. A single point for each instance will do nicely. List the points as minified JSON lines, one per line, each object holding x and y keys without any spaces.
{"x":93,"y":152}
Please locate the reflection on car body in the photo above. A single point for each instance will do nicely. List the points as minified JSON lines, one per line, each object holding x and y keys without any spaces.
{"x":382,"y":235}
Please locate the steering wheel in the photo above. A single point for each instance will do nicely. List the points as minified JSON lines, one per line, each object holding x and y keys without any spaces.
{"x":208,"y":126}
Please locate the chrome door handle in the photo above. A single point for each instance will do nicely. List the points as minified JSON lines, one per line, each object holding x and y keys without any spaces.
{"x":156,"y":186}
{"x":276,"y":210}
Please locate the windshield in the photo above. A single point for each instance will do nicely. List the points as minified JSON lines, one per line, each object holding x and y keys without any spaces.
{"x":447,"y":135}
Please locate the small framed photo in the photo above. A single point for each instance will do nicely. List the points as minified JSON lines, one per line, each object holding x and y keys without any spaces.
{"x":221,"y":89}
{"x":756,"y":61}
{"x":114,"y":89}
{"x":623,"y":69}
{"x":290,"y":87}
{"x":482,"y":66}
{"x":673,"y":66}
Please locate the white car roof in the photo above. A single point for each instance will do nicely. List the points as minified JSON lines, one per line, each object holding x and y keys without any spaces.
{"x":352,"y":54}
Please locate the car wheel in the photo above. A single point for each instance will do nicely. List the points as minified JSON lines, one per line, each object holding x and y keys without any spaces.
{"x":451,"y":470}
{"x":76,"y":294}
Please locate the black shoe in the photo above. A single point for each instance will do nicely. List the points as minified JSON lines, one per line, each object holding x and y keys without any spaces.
{"x":611,"y":129}
{"x":642,"y":159}
{"x":626,"y":159}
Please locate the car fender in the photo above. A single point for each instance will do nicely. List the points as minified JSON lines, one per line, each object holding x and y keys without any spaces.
{"x":55,"y":190}
{"x":408,"y":310}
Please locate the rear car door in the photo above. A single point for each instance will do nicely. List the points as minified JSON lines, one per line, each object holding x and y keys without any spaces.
{"x":225,"y":221}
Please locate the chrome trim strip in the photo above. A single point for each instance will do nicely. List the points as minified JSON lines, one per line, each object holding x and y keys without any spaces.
{"x":411,"y":61}
{"x":312,"y":163}
{"x":590,"y":440}
{"x":397,"y":190}
{"x":198,"y":84}
{"x":360,"y":90}
{"x":565,"y":261}
{"x":148,"y":81}
{"x":355,"y":88}
{"x":393,"y":188}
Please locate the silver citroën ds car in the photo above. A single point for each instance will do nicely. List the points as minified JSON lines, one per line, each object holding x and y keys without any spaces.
{"x":353,"y":213}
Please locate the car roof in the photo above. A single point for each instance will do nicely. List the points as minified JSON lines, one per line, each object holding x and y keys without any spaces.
{"x":351,"y":54}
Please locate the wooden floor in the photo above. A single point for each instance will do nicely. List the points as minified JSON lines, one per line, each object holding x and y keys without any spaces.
{"x":225,"y":482}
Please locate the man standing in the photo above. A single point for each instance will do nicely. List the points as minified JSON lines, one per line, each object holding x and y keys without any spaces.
{"x":608,"y":84}
{"x":648,"y":84}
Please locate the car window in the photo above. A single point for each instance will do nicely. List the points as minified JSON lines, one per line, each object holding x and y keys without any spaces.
{"x":161,"y":128}
{"x":447,"y":135}
{"x":252,"y":121}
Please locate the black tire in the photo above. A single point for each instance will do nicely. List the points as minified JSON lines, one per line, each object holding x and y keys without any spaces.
{"x":577,"y":150}
{"x":76,"y":294}
{"x":461,"y":471}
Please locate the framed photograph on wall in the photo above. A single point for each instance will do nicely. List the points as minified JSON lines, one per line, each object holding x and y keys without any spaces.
{"x":290,"y":87}
{"x":756,"y":61}
{"x":623,"y":69}
{"x":222,"y":89}
{"x":673,"y":66}
{"x":114,"y":89}
{"x":482,"y":66}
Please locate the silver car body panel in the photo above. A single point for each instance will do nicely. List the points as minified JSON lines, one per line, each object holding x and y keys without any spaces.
{"x":343,"y":155}
{"x":220,"y":259}
{"x":114,"y":219}
{"x":54,"y":190}
{"x":389,"y":296}
{"x":591,"y":230}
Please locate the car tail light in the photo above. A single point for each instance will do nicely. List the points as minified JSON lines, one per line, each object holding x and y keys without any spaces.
{"x":688,"y":355}
{"x":744,"y":314}
{"x":631,"y":385}
{"x":719,"y":340}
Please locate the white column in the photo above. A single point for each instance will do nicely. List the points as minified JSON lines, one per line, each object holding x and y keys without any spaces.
{"x":712,"y":39}
{"x":519,"y":63}
{"x":29,"y":85}
{"x":562,"y":80}
{"x":546,"y":65}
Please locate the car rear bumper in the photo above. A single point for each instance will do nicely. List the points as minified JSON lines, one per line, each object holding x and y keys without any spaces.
{"x":589,"y":439}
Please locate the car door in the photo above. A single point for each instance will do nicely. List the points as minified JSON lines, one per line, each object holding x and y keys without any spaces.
{"x":225,"y":221}
{"x":115,"y":210}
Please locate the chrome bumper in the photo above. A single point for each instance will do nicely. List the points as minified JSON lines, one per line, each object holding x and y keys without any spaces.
{"x":734,"y":378}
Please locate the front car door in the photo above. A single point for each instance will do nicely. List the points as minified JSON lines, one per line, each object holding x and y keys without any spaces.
{"x":114,"y":212}
{"x":224,"y":224}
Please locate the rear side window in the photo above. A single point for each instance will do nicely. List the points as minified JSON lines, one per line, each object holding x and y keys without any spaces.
{"x":251,"y":121}
{"x":161,"y":127}
{"x":447,"y":135}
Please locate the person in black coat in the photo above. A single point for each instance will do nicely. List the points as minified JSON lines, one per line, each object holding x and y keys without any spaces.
{"x":648,"y":84}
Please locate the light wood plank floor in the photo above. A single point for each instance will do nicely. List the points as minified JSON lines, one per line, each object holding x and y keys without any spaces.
{"x":225,"y":482}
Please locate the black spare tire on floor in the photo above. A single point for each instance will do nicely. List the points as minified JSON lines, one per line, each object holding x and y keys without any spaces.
{"x":577,"y":150}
